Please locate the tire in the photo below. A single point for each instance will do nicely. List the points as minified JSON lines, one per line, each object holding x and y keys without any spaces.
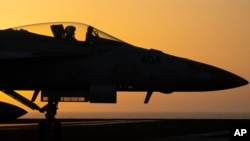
{"x":57,"y":130}
{"x":42,"y":132}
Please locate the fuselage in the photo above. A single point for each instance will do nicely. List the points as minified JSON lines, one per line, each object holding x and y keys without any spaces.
{"x":30,"y":61}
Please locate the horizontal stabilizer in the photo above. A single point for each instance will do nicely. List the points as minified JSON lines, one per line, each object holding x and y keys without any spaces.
{"x":10,"y":112}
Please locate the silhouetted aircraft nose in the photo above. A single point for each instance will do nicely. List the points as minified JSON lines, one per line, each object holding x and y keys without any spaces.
{"x":226,"y":79}
{"x":212,"y":78}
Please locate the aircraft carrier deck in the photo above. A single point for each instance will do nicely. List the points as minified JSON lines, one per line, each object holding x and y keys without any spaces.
{"x":130,"y":129}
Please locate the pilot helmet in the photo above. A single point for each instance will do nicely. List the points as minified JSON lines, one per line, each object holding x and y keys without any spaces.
{"x":70,"y":30}
{"x":90,"y":28}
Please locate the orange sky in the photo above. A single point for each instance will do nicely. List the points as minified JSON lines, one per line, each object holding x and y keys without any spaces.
{"x":216,"y":32}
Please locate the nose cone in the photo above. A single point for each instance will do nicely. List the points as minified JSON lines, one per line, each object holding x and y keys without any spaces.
{"x":225,"y":79}
{"x":209,"y":77}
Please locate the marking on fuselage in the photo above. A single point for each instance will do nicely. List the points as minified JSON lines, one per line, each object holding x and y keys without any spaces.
{"x":151,"y":59}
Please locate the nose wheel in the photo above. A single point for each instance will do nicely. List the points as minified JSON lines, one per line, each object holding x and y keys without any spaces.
{"x":50,"y":129}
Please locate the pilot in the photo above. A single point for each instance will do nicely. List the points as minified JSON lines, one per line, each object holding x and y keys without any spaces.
{"x":90,"y":35}
{"x":70,"y":33}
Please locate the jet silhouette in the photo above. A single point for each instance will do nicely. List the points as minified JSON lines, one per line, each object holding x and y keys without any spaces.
{"x":72,"y":62}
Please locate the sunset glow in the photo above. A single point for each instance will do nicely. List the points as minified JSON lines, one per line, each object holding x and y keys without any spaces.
{"x":215,"y":32}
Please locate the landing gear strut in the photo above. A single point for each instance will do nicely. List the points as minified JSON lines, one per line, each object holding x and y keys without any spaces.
{"x":50,"y":128}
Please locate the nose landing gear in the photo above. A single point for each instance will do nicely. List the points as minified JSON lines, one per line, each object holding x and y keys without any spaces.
{"x":50,"y":128}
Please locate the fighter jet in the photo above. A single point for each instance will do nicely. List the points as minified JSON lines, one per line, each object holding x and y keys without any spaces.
{"x":75,"y":62}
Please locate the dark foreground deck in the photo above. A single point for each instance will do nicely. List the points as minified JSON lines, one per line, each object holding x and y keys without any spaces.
{"x":130,"y":129}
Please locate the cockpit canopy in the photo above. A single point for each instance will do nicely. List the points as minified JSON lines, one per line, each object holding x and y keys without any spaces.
{"x":78,"y":31}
